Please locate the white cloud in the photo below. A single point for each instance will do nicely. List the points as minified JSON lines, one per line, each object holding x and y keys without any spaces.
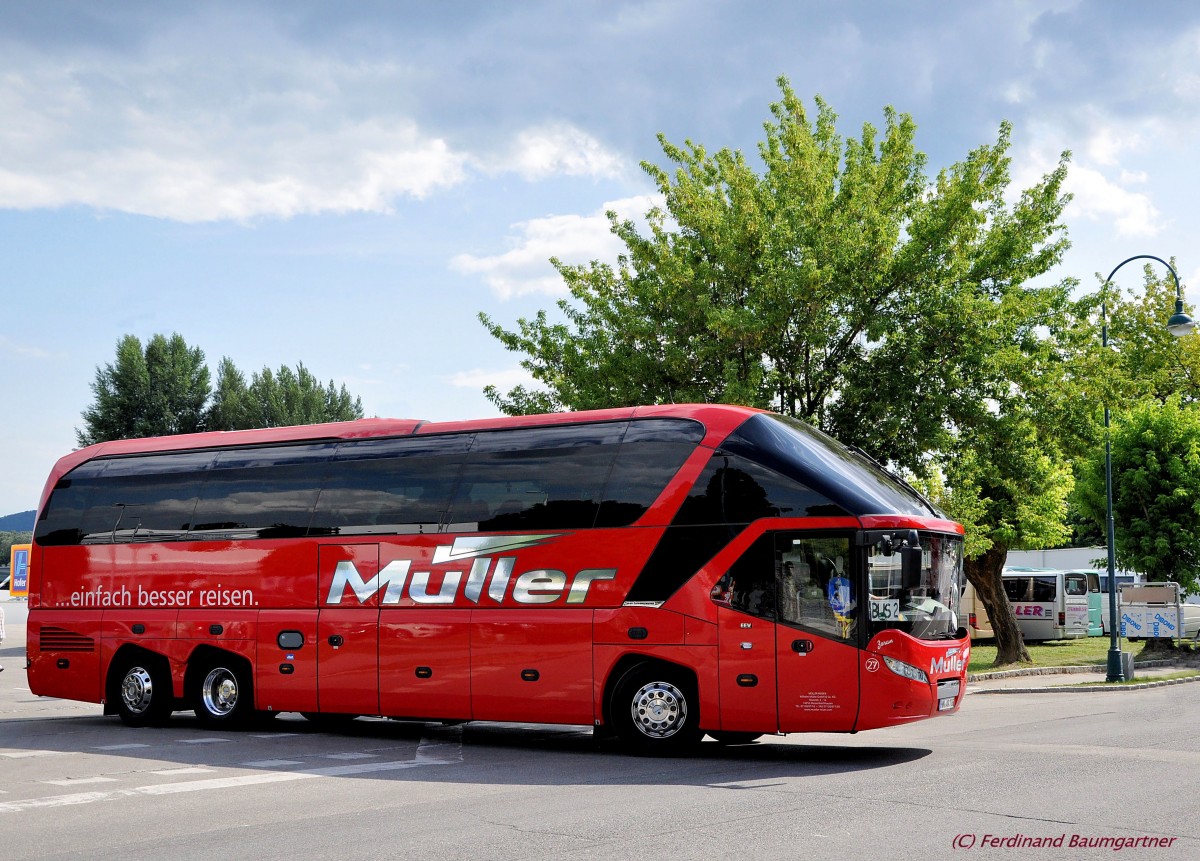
{"x":29,"y":351}
{"x":525,"y":268}
{"x":1099,"y":179}
{"x":176,"y":133}
{"x":559,"y":149}
{"x":1098,"y":198}
{"x":504,"y":380}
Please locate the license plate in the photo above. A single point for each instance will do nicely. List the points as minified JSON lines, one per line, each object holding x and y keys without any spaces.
{"x":948,"y":690}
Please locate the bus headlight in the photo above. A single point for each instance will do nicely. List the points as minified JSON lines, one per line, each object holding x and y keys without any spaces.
{"x":907,"y":670}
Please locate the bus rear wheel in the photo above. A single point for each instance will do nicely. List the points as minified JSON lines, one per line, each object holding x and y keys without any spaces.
{"x":142,"y":691}
{"x":224,"y":695}
{"x":655,"y":710}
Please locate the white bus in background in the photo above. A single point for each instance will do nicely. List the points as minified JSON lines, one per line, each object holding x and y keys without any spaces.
{"x":1048,"y":604}
{"x":973,"y":615}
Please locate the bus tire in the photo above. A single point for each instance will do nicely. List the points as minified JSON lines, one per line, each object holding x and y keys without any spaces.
{"x":141,"y":690}
{"x":736,"y":737}
{"x":224,"y":693}
{"x":656,"y":710}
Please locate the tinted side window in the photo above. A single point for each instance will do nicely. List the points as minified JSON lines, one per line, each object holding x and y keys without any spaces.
{"x":61,"y":520}
{"x":390,"y":485}
{"x":1045,"y":588}
{"x":652,"y":452}
{"x":1019,"y":588}
{"x":261,"y":493}
{"x":148,"y":498}
{"x":535,"y":478}
{"x":733,"y":489}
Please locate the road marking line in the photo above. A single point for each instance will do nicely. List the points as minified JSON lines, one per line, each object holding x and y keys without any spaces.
{"x":79,"y":781}
{"x":171,"y":772}
{"x":204,"y":740}
{"x":26,"y":754}
{"x":272,"y":763}
{"x":438,"y":752}
{"x":429,"y":753}
{"x":120,"y":746}
{"x":351,"y":755}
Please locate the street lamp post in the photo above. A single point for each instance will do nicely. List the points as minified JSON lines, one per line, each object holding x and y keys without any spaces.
{"x":1179,"y":324}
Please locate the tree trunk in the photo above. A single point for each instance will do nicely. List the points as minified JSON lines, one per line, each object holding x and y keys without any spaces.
{"x":985,"y":572}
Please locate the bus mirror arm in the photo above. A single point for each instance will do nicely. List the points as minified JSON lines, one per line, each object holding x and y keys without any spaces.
{"x":910,"y":567}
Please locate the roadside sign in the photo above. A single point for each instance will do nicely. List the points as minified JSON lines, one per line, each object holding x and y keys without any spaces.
{"x":19,"y":587}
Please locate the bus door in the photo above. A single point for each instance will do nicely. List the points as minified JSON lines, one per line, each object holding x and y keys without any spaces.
{"x":1076,"y":603}
{"x":788,"y":639}
{"x":1095,"y":604}
{"x":348,"y":629}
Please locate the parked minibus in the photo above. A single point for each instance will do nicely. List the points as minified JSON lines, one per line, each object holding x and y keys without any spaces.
{"x":1048,"y":604}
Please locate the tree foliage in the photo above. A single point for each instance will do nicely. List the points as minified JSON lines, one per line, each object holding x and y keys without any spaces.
{"x":277,"y":399}
{"x":1156,"y":491}
{"x":838,"y":284}
{"x":156,"y":391}
{"x":842,"y":285}
{"x":164,"y":389}
{"x":8,"y":539}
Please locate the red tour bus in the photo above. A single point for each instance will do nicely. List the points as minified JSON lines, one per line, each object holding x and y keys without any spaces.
{"x":658,"y":572}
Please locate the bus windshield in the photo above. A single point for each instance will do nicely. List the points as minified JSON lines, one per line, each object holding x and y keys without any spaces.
{"x":927,"y":610}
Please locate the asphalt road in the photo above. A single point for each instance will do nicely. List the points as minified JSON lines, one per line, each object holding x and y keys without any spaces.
{"x":1023,"y":768}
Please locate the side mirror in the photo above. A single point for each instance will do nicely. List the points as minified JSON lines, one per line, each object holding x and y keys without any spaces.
{"x":910,"y":567}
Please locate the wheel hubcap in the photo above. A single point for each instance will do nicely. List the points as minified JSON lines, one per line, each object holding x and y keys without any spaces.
{"x":137,"y":690}
{"x":220,"y":692}
{"x":659,"y":710}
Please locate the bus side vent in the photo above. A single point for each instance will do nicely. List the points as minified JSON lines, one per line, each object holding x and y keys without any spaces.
{"x":61,"y":640}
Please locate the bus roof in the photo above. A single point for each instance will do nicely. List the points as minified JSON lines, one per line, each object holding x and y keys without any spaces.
{"x":719,"y":420}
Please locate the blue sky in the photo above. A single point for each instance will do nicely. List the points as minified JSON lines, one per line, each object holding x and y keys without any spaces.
{"x":348,"y":185}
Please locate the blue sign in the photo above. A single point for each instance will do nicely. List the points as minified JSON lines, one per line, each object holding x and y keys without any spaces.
{"x":20,"y":570}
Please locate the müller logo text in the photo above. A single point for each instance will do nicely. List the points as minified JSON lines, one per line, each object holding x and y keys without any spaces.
{"x":488,"y":575}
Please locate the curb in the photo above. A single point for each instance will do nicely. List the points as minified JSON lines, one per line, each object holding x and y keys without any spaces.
{"x":1083,"y":688}
{"x":1054,"y":671}
{"x":1078,"y":687}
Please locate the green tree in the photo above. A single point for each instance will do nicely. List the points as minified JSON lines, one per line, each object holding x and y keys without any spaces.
{"x":8,"y":539}
{"x":156,"y":391}
{"x":165,"y":390}
{"x":1156,"y":491}
{"x":843,"y":286}
{"x":277,"y":399}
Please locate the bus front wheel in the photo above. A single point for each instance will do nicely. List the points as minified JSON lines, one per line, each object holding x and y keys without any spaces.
{"x":142,"y":691}
{"x":656,"y":710}
{"x":224,"y":696}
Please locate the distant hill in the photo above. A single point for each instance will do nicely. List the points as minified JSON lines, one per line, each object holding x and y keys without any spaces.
{"x":22,"y":522}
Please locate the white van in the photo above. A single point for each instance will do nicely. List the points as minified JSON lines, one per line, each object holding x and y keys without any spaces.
{"x":1049,"y":604}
